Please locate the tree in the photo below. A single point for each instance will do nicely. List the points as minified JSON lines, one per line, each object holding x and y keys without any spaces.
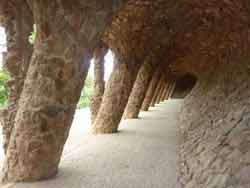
{"x":86,"y":93}
{"x":4,"y":92}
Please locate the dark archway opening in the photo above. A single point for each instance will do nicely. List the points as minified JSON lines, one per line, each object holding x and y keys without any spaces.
{"x":183,"y":86}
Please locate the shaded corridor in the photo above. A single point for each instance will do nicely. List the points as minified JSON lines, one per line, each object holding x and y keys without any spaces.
{"x":142,"y":155}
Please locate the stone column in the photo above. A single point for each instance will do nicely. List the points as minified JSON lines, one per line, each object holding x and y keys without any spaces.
{"x":151,"y":90}
{"x":158,"y":98}
{"x":171,"y":90}
{"x":18,"y":23}
{"x":157,"y":90}
{"x":99,"y":83}
{"x":59,"y":65}
{"x":165,"y":91}
{"x":139,"y":90}
{"x":162,"y":93}
{"x":116,"y":96}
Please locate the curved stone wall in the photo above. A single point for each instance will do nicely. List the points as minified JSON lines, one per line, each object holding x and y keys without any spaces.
{"x":215,"y":128}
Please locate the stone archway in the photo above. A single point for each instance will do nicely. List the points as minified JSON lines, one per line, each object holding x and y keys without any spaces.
{"x":183,"y":86}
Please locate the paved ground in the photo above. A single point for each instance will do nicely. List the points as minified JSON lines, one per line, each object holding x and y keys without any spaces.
{"x":142,"y":155}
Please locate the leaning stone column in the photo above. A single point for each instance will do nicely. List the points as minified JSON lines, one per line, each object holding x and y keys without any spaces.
{"x":60,"y":61}
{"x":157,"y":90}
{"x":171,"y":90}
{"x":139,"y":90}
{"x":99,"y":83}
{"x":151,"y":90}
{"x":158,"y":98}
{"x":168,"y":88}
{"x":164,"y":92}
{"x":18,"y":23}
{"x":116,"y":97}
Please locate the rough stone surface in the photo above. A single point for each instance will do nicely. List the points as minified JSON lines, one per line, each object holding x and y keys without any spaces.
{"x":171,"y":90}
{"x":157,"y":90}
{"x":127,"y":37}
{"x":99,"y":83}
{"x":151,"y":89}
{"x":139,"y":90}
{"x":162,"y":98}
{"x":214,"y":118}
{"x":161,"y":91}
{"x":209,"y":39}
{"x":60,"y":61}
{"x":18,"y":24}
{"x":215,"y":129}
{"x":170,"y":83}
{"x":115,"y":97}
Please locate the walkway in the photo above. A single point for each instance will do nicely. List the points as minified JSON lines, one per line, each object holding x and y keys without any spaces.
{"x":142,"y":155}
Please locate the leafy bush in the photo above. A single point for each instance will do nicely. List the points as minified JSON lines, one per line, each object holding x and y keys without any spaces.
{"x":86,"y":93}
{"x":4,"y":92}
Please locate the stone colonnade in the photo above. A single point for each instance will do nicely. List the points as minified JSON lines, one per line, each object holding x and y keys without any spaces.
{"x":45,"y":88}
{"x":99,"y":83}
{"x":209,"y":39}
{"x":62,"y":50}
{"x":18,"y":24}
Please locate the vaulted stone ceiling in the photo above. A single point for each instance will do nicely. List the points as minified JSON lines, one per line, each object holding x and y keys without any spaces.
{"x":186,"y":34}
{"x":138,"y":29}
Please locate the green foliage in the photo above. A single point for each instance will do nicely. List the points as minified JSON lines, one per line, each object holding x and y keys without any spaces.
{"x":86,"y":93}
{"x":32,"y":36}
{"x":4,"y":92}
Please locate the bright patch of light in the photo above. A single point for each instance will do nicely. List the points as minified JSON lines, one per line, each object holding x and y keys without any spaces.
{"x":2,"y":40}
{"x":2,"y":43}
{"x":109,"y":61}
{"x":91,"y":68}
